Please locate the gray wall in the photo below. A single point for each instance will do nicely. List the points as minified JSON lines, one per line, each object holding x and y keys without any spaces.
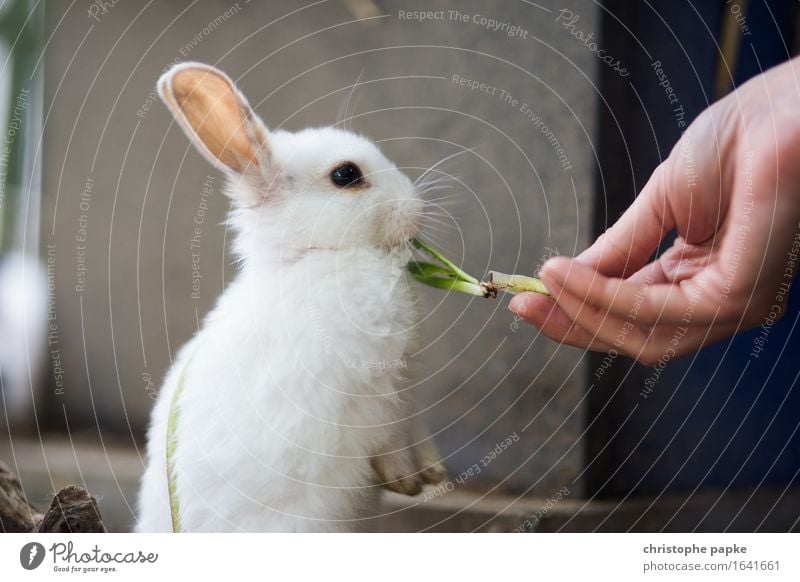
{"x":480,"y":376}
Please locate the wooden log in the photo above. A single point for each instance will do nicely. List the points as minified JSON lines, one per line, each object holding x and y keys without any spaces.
{"x":16,"y":514}
{"x":72,"y":510}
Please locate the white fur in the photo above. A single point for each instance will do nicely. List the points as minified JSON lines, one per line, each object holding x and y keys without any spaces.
{"x":292,"y":384}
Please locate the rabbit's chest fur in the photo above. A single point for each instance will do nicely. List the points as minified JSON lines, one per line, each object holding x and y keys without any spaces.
{"x":289,"y":388}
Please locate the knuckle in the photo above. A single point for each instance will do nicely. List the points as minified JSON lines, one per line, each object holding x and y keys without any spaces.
{"x":649,"y":312}
{"x":592,"y":312}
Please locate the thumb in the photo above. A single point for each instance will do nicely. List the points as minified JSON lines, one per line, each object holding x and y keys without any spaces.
{"x":628,"y":244}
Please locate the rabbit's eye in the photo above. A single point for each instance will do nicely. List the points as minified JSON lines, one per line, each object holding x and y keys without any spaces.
{"x":347,"y":175}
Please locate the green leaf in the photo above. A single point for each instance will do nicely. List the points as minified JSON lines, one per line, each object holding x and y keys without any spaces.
{"x":450,"y":284}
{"x":423,"y":269}
{"x":455,"y":271}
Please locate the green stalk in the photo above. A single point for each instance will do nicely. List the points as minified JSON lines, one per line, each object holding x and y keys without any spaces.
{"x":421,"y":269}
{"x":450,"y":277}
{"x":443,"y":278}
{"x":516,"y":283}
{"x":454,"y":269}
{"x":453,"y":285}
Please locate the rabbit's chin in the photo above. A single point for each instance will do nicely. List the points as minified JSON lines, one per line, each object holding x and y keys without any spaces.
{"x":403,"y":236}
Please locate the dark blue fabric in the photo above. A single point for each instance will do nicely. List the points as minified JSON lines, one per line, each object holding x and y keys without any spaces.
{"x":698,"y":428}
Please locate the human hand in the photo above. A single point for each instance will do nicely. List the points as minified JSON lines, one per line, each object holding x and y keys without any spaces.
{"x":731,"y":189}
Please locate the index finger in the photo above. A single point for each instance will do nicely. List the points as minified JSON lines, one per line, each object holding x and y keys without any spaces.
{"x":647,"y":302}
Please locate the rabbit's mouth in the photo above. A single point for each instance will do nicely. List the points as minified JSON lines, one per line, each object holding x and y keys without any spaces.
{"x":405,"y":222}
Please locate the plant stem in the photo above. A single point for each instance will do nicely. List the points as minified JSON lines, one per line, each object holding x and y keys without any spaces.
{"x":450,"y":277}
{"x":479,"y":290}
{"x":515,"y":283}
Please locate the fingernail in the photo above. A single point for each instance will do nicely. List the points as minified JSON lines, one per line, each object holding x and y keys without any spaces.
{"x":518,"y":303}
{"x":555,"y":269}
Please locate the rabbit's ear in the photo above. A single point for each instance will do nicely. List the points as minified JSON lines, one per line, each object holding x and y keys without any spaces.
{"x":216,"y":117}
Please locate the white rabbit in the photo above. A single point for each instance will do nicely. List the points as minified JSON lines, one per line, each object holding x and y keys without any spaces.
{"x":289,"y":413}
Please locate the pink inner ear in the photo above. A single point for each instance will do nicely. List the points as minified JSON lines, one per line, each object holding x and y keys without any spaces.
{"x":211,"y":107}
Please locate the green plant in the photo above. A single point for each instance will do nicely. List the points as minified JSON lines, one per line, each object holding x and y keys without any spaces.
{"x":447,"y":275}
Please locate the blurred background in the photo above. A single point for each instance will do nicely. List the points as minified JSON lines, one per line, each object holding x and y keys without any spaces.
{"x":560,"y":112}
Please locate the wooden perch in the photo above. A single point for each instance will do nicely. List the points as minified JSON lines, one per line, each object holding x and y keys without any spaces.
{"x":73,"y":510}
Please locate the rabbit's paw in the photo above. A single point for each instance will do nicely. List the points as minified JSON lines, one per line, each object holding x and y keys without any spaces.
{"x":398,"y":471}
{"x":429,"y":463}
